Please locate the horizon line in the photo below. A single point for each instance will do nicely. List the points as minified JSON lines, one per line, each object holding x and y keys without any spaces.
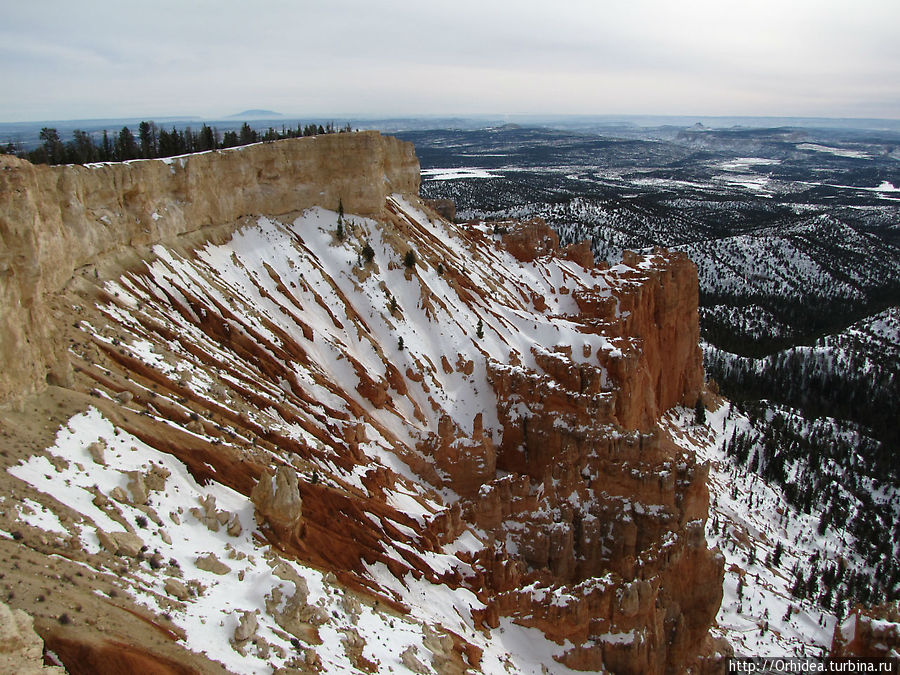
{"x":237,"y":117}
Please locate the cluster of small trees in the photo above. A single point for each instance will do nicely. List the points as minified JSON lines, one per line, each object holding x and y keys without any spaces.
{"x":820,"y":384}
{"x":821,"y":469}
{"x":151,"y":141}
{"x":834,"y":586}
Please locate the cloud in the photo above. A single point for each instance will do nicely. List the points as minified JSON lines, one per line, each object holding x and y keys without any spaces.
{"x":584,"y":56}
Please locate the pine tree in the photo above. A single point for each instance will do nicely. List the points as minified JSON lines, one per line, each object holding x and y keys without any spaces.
{"x":207,"y":140}
{"x":166,"y":143}
{"x":106,"y":148}
{"x":230,"y":139}
{"x":409,"y":259}
{"x":83,"y":148}
{"x":400,"y":345}
{"x":699,"y":412}
{"x":247,"y":135}
{"x":797,"y":588}
{"x":824,"y":522}
{"x":368,"y":253}
{"x":53,"y":149}
{"x":126,"y":146}
{"x":148,"y":134}
{"x":479,"y":330}
{"x":188,"y":140}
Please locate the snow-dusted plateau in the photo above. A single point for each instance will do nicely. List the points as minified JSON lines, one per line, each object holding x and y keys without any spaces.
{"x":267,"y":411}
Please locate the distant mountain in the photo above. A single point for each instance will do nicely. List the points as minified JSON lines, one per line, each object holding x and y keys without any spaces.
{"x":255,"y":114}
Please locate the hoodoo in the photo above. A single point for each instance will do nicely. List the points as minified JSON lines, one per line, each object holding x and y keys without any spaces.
{"x":342,"y":442}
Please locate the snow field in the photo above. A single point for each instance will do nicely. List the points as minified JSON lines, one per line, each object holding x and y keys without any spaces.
{"x":747,"y":520}
{"x":209,"y":617}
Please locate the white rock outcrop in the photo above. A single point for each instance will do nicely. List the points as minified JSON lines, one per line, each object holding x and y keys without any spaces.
{"x":21,"y":649}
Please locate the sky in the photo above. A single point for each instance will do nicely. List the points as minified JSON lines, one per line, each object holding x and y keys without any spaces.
{"x":211,"y":58}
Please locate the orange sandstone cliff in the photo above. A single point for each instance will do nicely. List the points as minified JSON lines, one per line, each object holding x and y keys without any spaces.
{"x":462,"y":454}
{"x":869,"y":633}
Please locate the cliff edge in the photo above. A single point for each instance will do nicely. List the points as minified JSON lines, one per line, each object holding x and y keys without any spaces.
{"x":253,"y":433}
{"x":56,"y":219}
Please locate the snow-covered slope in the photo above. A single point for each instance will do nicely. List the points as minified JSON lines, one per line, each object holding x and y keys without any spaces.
{"x":360,"y":323}
{"x":383,"y":369}
{"x":339,"y":630}
{"x":786,"y":576}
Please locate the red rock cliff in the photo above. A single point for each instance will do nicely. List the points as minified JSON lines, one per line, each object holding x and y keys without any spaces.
{"x":655,"y":310}
{"x":594,"y":490}
{"x":508,"y":452}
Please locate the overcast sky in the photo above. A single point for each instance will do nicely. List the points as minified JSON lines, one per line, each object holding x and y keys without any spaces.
{"x":99,"y":58}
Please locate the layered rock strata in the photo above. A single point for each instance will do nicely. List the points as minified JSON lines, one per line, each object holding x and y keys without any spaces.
{"x":55,"y":220}
{"x":482,"y":421}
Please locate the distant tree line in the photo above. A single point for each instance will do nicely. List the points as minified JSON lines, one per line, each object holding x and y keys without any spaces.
{"x":821,"y":386}
{"x":804,"y":316}
{"x":152,"y":141}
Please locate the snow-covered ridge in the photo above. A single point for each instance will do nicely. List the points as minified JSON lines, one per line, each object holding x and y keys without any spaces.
{"x":56,"y":220}
{"x":350,"y":318}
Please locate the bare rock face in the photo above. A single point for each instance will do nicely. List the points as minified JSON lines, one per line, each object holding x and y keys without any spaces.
{"x":176,"y":589}
{"x":247,"y":626}
{"x":137,"y":487}
{"x":354,"y":644}
{"x":97,"y":451}
{"x":530,"y":239}
{"x":445,"y":208}
{"x":295,"y":614}
{"x":21,"y":649}
{"x":660,"y":309}
{"x":869,"y":633}
{"x":277,"y":500}
{"x":409,"y":659}
{"x":663,"y":313}
{"x":56,"y":219}
{"x":121,"y":543}
{"x":467,"y":460}
{"x":215,"y":518}
{"x":580,"y":253}
{"x":210,"y":563}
